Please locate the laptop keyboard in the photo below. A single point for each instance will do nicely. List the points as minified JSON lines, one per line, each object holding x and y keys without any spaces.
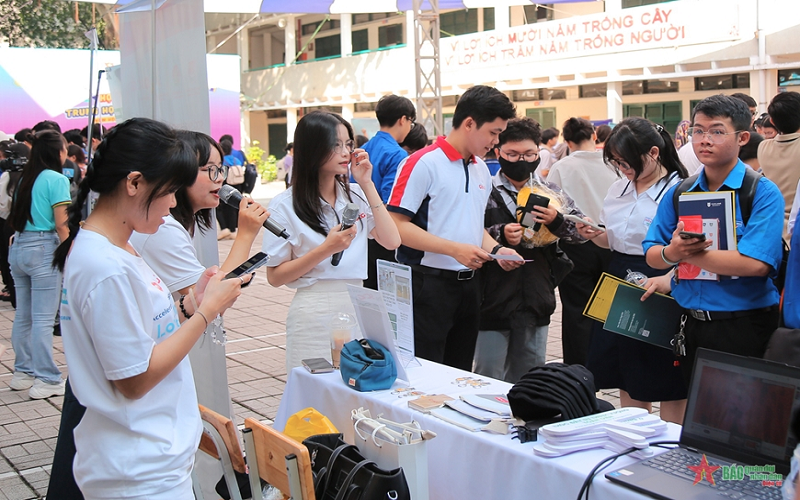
{"x":676,"y":462}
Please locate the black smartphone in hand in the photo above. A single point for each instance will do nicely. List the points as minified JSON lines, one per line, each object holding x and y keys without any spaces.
{"x":534,"y":200}
{"x":686,"y":235}
{"x":256,"y":261}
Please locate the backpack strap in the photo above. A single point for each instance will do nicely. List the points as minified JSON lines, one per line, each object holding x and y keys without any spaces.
{"x":747,"y":192}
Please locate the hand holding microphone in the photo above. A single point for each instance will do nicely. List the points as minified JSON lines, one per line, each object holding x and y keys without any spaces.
{"x":232,"y":197}
{"x":349,"y":218}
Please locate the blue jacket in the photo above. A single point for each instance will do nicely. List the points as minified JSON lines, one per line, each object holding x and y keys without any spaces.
{"x":385,"y":154}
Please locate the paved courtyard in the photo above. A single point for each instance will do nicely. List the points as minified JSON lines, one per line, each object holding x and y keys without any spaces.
{"x":256,"y":378}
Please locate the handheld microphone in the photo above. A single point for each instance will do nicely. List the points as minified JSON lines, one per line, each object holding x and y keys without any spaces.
{"x":349,"y":217}
{"x":232,"y":197}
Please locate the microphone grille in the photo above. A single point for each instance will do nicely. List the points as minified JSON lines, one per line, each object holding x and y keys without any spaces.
{"x":350,"y":213}
{"x":226,"y":192}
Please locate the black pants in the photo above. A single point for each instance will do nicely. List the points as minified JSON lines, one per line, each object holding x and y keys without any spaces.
{"x":227,"y":216}
{"x":5,"y":269}
{"x":446,"y":319}
{"x":745,"y":336}
{"x":374,"y":252}
{"x":576,"y":329}
{"x":62,"y":484}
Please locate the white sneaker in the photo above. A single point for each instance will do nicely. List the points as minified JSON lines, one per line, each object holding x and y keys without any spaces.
{"x":43,"y":390}
{"x":21,"y":381}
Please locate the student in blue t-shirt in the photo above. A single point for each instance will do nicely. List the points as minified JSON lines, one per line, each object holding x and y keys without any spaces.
{"x":396,"y":117}
{"x":39,"y":219}
{"x":732,"y":315}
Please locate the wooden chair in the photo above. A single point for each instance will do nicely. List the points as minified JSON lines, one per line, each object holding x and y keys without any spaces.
{"x":279,"y":460}
{"x":219,"y":440}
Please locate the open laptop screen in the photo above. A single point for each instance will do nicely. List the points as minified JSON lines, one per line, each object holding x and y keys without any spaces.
{"x":741,"y":409}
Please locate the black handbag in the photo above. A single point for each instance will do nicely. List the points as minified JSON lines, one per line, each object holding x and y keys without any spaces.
{"x":342,"y":473}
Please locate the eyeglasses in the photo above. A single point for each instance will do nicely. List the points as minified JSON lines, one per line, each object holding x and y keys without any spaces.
{"x":619,"y":164}
{"x":512,"y":157}
{"x":715,"y":135}
{"x":350,"y":145}
{"x":215,"y":171}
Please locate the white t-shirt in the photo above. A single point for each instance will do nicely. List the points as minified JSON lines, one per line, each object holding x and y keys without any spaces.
{"x":443,"y":196}
{"x":689,"y":158}
{"x":178,"y":266}
{"x":303,"y":239}
{"x":627,"y":215}
{"x":585,"y":177}
{"x":114,"y":310}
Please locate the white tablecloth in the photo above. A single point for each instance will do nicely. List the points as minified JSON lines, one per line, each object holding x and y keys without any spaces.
{"x":462,"y":465}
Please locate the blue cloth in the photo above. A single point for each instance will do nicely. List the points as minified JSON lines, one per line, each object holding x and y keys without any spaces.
{"x":760,"y":240}
{"x":239,"y":156}
{"x":231,"y":160}
{"x":791,"y":288}
{"x":50,"y":189}
{"x":493,"y":164}
{"x":385,"y":154}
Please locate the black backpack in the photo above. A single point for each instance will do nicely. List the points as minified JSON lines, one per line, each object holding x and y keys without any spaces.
{"x":747,"y":194}
{"x":250,"y":178}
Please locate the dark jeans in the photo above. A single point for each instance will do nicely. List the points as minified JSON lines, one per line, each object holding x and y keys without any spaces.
{"x":446,"y":319}
{"x":5,"y":269}
{"x":374,"y":252}
{"x":62,"y":483}
{"x":576,"y":329}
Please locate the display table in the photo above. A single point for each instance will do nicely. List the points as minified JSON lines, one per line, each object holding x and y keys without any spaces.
{"x":461,"y":464}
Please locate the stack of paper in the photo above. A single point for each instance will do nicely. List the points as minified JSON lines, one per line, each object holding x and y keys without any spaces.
{"x":712,"y":214}
{"x":476,"y":412}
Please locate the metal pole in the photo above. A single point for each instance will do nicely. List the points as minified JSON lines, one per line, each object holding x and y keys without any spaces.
{"x":426,"y":67}
{"x":92,"y":34}
{"x":153,"y":58}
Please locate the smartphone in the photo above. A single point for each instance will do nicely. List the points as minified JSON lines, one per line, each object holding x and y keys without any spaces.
{"x":686,"y":235}
{"x":258,"y":260}
{"x":578,"y":220}
{"x":317,"y":365}
{"x":534,"y":200}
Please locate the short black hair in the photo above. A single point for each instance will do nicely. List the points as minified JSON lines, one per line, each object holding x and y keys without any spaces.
{"x":46,"y":125}
{"x":750,"y":150}
{"x":74,"y":136}
{"x":549,"y":134}
{"x":784,"y":111}
{"x":289,"y":147}
{"x":603,"y":131}
{"x":725,"y":106}
{"x":768,"y":123}
{"x":226,"y":137}
{"x":483,"y":104}
{"x":521,"y":129}
{"x":23,"y":135}
{"x":751,"y":103}
{"x":226,"y":146}
{"x":416,"y":139}
{"x":98,"y":131}
{"x":391,"y":108}
{"x":578,"y":130}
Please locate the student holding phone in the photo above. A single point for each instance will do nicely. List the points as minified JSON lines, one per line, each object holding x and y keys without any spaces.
{"x":644,"y":153}
{"x":125,"y":343}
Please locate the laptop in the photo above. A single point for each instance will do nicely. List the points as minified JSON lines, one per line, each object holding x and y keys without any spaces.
{"x":739,"y":412}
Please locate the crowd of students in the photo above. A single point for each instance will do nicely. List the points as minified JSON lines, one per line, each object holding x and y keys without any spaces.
{"x":135,"y":297}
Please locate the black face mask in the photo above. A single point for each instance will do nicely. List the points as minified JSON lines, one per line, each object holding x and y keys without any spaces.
{"x":518,"y":170}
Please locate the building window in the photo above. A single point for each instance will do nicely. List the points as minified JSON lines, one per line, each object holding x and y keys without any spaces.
{"x":363,"y":107}
{"x":488,"y":18}
{"x":649,"y":87}
{"x":330,"y":109}
{"x":593,"y":90}
{"x":365,"y":18}
{"x":788,"y":77}
{"x":390,"y":35}
{"x":538,"y":95}
{"x":276,"y":113}
{"x":360,"y":40}
{"x":459,"y":22}
{"x":538,"y":13}
{"x":638,"y":3}
{"x":330,"y":24}
{"x":722,"y":82}
{"x":328,"y":46}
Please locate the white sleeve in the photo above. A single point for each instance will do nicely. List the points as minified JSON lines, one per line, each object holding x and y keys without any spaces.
{"x":118,"y":322}
{"x":412,"y":185}
{"x":279,"y":249}
{"x":171,"y":255}
{"x":795,"y":208}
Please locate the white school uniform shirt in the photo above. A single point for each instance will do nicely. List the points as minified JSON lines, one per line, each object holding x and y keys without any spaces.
{"x":303,"y":239}
{"x":178,"y":266}
{"x":628,"y":215}
{"x":114,"y":311}
{"x":585,"y":177}
{"x":689,"y":158}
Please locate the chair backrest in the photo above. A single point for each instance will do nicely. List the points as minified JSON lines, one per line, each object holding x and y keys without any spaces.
{"x":271,"y":448}
{"x":227,"y":430}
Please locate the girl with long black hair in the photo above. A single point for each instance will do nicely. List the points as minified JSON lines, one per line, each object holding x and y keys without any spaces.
{"x":38,"y":217}
{"x":310,"y":210}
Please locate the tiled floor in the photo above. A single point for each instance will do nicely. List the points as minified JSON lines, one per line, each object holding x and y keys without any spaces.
{"x":256,"y":378}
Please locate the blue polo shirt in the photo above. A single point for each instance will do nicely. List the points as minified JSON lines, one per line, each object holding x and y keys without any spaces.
{"x":760,"y":240}
{"x":385,"y":154}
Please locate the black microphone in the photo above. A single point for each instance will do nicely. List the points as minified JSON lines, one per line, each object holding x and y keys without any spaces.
{"x":349,"y":217}
{"x":232,"y":197}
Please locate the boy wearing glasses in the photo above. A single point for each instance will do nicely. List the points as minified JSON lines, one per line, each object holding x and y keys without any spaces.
{"x":517,"y":305}
{"x":396,"y":117}
{"x":438,"y":203}
{"x":731,"y":315}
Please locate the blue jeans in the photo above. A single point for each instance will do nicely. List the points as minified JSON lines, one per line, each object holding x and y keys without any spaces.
{"x":38,"y":287}
{"x":509,"y":354}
